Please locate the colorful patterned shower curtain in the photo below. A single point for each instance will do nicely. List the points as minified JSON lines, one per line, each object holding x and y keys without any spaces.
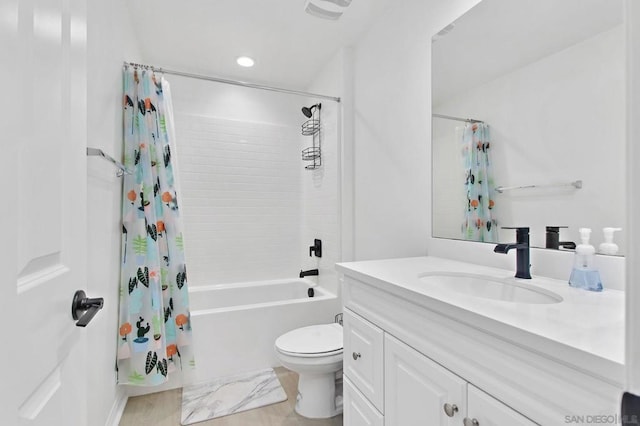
{"x":154,"y":334}
{"x":478,"y":223}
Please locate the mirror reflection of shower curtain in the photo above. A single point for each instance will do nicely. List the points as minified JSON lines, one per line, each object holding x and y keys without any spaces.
{"x":479,"y":223}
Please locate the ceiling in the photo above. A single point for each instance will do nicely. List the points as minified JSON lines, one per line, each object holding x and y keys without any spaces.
{"x":206,"y":36}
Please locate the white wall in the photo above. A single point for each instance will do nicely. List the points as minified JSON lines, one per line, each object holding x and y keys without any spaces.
{"x":537,"y":139}
{"x":107,"y":49}
{"x":392,"y":128}
{"x":448,"y":196}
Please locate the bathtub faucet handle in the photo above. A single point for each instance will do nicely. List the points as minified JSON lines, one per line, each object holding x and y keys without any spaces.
{"x":316,"y":248}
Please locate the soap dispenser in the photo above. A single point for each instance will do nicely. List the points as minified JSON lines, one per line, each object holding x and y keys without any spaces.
{"x":609,"y":247}
{"x":584,"y":274}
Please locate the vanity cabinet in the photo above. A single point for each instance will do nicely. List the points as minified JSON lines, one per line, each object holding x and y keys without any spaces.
{"x":417,"y":390}
{"x":358,"y":411}
{"x":411,"y":361}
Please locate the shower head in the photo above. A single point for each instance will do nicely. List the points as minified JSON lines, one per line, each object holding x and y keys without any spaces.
{"x":308,"y":112}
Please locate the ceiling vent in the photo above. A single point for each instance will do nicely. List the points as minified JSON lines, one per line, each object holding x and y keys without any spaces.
{"x":326,"y":9}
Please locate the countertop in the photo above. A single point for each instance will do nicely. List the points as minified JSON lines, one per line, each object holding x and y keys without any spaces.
{"x":585,"y":325}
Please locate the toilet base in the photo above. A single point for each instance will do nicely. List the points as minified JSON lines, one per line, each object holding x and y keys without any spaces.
{"x":317,"y":396}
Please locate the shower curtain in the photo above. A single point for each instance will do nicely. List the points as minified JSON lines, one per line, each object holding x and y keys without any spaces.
{"x":154,"y":333}
{"x":478,"y":223}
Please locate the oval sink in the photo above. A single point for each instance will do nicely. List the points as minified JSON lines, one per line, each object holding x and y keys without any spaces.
{"x":489,"y":288}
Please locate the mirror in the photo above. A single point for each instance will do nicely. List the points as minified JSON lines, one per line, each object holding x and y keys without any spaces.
{"x":547,"y":78}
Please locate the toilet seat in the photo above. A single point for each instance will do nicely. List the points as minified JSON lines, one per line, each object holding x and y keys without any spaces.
{"x":313,"y":341}
{"x":316,"y":355}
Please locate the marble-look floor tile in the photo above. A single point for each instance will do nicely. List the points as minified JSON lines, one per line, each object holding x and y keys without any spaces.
{"x":229,"y":395}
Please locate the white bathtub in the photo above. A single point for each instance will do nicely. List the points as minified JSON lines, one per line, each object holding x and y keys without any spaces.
{"x":235,"y":325}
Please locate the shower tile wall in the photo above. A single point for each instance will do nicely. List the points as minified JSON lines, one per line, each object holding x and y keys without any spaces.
{"x":241,"y":197}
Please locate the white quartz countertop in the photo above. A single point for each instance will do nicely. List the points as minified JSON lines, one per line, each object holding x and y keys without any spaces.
{"x":588,"y":325}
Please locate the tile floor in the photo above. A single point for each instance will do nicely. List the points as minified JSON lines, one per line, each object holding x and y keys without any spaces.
{"x":164,"y":409}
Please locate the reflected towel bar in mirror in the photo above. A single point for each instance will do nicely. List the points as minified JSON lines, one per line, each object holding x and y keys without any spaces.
{"x":450,"y":117}
{"x":122,"y":170}
{"x":576,"y":184}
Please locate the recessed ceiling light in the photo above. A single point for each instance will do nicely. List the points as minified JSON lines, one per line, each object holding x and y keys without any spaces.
{"x":245,"y":61}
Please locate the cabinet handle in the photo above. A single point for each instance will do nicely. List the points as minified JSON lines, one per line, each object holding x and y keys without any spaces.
{"x":470,"y":422}
{"x":450,"y":409}
{"x":356,"y":355}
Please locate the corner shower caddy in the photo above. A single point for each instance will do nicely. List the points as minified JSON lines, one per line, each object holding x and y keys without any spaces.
{"x":311,"y":127}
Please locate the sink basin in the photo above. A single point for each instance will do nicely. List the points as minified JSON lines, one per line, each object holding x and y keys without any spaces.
{"x":490,"y":288}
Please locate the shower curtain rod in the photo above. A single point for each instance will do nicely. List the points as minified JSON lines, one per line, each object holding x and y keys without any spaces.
{"x":233,"y":82}
{"x":449,"y":117}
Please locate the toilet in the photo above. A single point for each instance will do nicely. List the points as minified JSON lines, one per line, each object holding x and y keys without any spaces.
{"x":315,"y":353}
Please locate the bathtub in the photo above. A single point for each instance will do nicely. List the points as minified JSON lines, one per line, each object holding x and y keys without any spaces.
{"x":235,"y":325}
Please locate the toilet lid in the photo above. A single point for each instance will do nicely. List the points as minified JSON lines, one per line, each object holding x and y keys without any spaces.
{"x":314,"y":339}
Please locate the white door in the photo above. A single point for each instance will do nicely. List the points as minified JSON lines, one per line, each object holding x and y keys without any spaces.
{"x":43,"y":116}
{"x":417,"y":389}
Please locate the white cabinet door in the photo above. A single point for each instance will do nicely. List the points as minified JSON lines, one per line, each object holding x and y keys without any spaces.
{"x":357,"y":410}
{"x":417,"y":389}
{"x":363,"y":352}
{"x":488,"y":411}
{"x":43,"y":183}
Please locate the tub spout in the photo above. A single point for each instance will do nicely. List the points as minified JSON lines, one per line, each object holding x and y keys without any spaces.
{"x":309,"y":272}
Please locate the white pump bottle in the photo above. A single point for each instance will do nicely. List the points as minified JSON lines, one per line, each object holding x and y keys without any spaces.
{"x":584,"y":274}
{"x":609,"y":247}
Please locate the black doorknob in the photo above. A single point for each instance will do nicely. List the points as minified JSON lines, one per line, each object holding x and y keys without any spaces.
{"x":84,"y":309}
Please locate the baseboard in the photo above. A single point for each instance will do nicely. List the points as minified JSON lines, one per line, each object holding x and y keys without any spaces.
{"x":117,"y":408}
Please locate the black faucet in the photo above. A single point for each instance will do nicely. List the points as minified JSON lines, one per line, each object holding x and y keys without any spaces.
{"x":522,"y":247}
{"x":307,"y":273}
{"x":553,"y":239}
